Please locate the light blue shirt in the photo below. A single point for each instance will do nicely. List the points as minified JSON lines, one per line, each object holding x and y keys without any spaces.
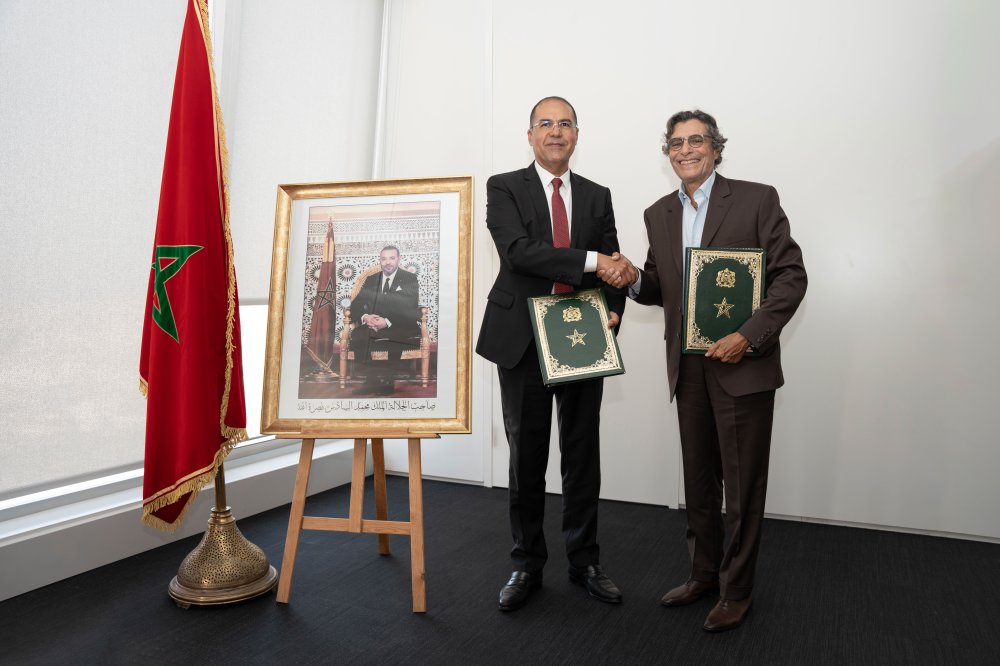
{"x":692,"y":220}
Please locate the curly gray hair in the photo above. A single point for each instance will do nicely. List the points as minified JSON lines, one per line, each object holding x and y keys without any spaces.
{"x":718,"y":141}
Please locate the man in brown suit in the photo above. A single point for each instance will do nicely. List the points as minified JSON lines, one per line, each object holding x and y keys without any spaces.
{"x":725,"y":400}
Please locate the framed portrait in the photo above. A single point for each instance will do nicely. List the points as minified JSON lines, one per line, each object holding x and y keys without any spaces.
{"x":369,"y":314}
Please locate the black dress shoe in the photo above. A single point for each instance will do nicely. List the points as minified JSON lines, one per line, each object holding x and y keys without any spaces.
{"x":727,"y":614}
{"x":515,"y":593}
{"x":597,"y":583}
{"x":688,"y":593}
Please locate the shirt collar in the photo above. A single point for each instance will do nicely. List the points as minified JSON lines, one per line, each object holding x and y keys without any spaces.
{"x":705,"y":188}
{"x":547,"y":177}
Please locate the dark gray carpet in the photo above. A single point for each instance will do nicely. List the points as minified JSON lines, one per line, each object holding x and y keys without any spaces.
{"x":825,"y":595}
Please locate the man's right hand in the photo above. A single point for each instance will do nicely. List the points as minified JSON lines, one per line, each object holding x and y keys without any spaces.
{"x":616,"y":270}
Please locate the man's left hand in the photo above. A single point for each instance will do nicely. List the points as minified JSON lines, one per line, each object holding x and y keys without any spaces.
{"x":729,"y":349}
{"x":375,"y":322}
{"x":613,"y":319}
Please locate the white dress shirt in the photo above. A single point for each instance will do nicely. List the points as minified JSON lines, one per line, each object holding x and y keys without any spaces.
{"x":566,"y":192}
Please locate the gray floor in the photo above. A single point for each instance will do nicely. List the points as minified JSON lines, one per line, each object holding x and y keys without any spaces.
{"x":825,"y":595}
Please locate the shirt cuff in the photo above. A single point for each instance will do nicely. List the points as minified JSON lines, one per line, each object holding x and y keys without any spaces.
{"x":633,"y":290}
{"x":591,"y":265}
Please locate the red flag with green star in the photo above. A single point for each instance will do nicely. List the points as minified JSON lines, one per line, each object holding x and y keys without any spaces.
{"x":190,"y":368}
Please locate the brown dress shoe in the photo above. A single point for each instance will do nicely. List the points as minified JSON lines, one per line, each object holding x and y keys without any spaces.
{"x":727,"y":614}
{"x":688,"y":593}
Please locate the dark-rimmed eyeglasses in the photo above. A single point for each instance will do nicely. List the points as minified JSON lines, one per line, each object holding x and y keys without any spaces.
{"x":547,"y":125}
{"x":695,"y":141}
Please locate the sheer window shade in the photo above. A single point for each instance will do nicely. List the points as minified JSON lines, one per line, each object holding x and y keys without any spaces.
{"x":83,"y":115}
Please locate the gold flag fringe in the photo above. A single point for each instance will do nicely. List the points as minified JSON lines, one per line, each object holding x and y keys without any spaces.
{"x":233,"y":436}
{"x":194,"y":485}
{"x":222,"y":154}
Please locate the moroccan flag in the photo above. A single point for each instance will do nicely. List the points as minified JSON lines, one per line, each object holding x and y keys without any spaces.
{"x":324,"y":318}
{"x":191,"y":368}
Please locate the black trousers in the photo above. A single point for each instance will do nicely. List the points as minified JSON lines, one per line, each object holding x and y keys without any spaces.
{"x":381,"y":372}
{"x":726,"y":447}
{"x":527,"y":415}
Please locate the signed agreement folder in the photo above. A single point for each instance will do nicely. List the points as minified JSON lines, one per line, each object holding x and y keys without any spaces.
{"x":573,"y":338}
{"x":722,"y":288}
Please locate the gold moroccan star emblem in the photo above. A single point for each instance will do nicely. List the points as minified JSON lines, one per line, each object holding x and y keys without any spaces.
{"x":724,"y":308}
{"x":576,"y":338}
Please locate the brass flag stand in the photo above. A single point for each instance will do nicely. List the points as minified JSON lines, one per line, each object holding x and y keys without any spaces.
{"x":414,"y":528}
{"x":225,"y":567}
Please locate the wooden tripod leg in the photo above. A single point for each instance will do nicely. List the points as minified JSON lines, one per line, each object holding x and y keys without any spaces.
{"x":417,"y":528}
{"x":381,"y":502}
{"x":357,"y":485}
{"x":295,"y":520}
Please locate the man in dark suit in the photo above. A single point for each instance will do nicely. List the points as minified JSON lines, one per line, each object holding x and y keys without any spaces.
{"x":387,"y":311}
{"x":552,"y":229}
{"x":725,"y":400}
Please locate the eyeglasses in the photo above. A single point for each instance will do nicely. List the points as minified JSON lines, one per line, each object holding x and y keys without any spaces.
{"x":549,"y":125}
{"x":695,"y":141}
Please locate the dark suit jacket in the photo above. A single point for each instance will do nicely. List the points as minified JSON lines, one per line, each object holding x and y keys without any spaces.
{"x":400,"y":306}
{"x":517,"y":215}
{"x":740,"y":214}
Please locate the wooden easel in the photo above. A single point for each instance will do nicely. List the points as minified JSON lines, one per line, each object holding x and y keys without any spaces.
{"x":414,"y":528}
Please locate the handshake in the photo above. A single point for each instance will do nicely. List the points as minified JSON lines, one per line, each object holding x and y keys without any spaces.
{"x":616,"y":270}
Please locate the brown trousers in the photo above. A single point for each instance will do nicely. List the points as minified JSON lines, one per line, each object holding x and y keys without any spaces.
{"x":725,"y":444}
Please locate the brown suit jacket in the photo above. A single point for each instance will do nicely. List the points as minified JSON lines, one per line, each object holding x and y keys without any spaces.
{"x":740,"y":214}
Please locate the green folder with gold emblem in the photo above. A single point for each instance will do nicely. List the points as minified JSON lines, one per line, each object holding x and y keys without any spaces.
{"x":573,"y":338}
{"x":723,"y":287}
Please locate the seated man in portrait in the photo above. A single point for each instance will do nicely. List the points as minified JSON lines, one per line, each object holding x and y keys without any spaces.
{"x":386,"y":311}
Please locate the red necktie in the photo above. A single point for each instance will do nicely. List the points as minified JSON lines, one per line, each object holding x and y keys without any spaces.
{"x":560,"y":228}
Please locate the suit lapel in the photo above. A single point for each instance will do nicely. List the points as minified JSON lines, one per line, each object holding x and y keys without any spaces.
{"x":718,"y":206}
{"x":580,"y":194}
{"x":537,"y":193}
{"x":674,"y":221}
{"x":373,"y":285}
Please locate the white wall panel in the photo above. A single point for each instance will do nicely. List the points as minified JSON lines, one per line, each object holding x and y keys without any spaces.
{"x":879,"y":126}
{"x":437,"y":124}
{"x":300,"y":108}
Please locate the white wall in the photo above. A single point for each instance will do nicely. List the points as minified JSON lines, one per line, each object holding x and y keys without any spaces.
{"x":878,"y":124}
{"x":438,"y":76}
{"x":617,"y":148}
{"x":299,"y":85}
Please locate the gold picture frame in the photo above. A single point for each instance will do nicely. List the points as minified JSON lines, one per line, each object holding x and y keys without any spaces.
{"x":332,"y":242}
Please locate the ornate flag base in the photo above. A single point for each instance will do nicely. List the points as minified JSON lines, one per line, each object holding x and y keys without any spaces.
{"x":224,"y":568}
